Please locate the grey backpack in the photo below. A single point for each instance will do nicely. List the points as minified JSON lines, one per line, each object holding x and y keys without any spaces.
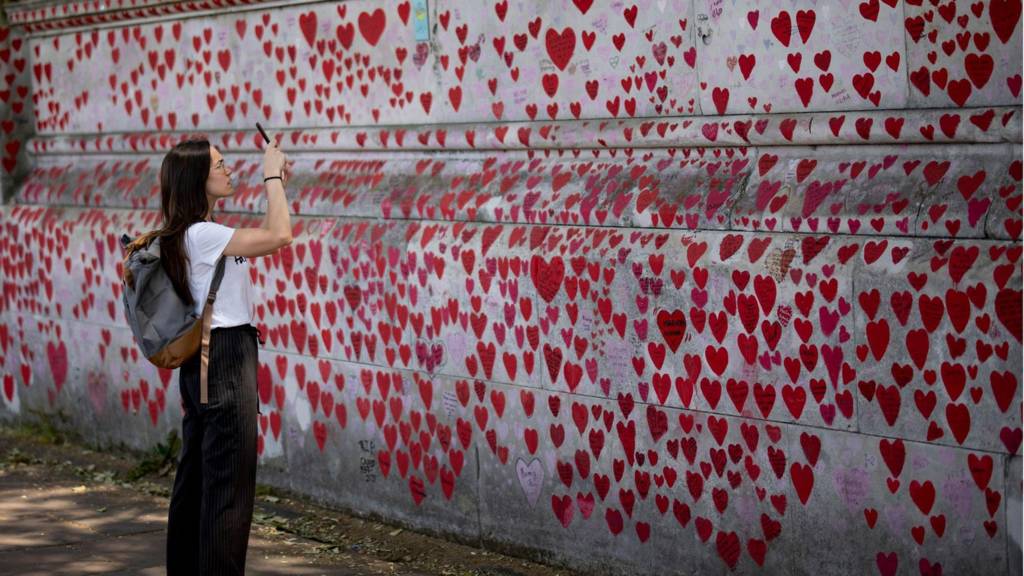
{"x":168,"y":331}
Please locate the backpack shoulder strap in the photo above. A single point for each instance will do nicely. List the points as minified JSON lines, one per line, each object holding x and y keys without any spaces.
{"x":218,"y":275}
{"x":207,"y":321}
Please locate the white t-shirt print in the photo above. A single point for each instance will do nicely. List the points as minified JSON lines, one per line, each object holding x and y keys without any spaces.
{"x":204,"y":244}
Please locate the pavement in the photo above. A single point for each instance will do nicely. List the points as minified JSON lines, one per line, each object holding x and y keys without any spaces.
{"x":67,"y":509}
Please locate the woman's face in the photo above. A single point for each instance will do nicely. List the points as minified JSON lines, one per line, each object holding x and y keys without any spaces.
{"x":218,"y":183}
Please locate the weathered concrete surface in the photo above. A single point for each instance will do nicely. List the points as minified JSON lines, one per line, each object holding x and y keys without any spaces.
{"x":759,"y":334}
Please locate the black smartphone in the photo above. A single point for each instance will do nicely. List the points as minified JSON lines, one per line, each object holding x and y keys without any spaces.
{"x":263,"y":132}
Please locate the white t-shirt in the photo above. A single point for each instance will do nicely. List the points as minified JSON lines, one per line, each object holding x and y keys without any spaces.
{"x":204,"y":244}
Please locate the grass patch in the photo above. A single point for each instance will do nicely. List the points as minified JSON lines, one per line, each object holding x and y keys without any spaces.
{"x":42,"y":429}
{"x":159,"y":460}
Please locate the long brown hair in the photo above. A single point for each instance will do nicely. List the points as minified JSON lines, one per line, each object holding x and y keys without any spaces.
{"x":183,"y":202}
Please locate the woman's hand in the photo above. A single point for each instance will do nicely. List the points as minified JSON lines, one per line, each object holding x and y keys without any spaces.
{"x":274,"y":160}
{"x":286,"y":171}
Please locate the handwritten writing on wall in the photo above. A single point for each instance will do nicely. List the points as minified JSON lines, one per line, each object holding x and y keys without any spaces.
{"x":339,"y":65}
{"x":746,"y":346}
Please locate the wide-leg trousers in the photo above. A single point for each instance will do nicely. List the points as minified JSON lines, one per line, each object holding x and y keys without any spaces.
{"x":214,"y":490}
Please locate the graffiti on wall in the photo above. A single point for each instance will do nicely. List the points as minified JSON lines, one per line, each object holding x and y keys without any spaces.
{"x":348,"y":64}
{"x":587,"y":357}
{"x":758,"y":348}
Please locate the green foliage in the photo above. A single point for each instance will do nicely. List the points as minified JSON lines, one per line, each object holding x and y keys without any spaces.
{"x":42,"y":428}
{"x":160,"y":458}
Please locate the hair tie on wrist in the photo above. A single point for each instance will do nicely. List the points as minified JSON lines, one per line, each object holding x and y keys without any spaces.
{"x":273,"y":177}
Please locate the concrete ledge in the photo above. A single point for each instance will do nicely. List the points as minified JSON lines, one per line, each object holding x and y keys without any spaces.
{"x":941,"y":191}
{"x":941,"y":126}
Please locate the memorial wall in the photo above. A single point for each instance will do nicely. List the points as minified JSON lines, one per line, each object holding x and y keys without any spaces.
{"x":643,"y":287}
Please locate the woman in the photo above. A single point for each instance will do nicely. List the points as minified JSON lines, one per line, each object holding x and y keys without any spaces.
{"x":212,"y":500}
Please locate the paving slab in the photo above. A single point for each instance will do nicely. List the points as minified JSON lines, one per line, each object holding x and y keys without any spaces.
{"x":66,"y":509}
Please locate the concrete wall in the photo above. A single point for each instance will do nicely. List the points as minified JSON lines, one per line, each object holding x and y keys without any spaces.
{"x":642,"y":288}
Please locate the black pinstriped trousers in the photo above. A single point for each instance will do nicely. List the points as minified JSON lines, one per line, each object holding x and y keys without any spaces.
{"x":214,"y":489}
